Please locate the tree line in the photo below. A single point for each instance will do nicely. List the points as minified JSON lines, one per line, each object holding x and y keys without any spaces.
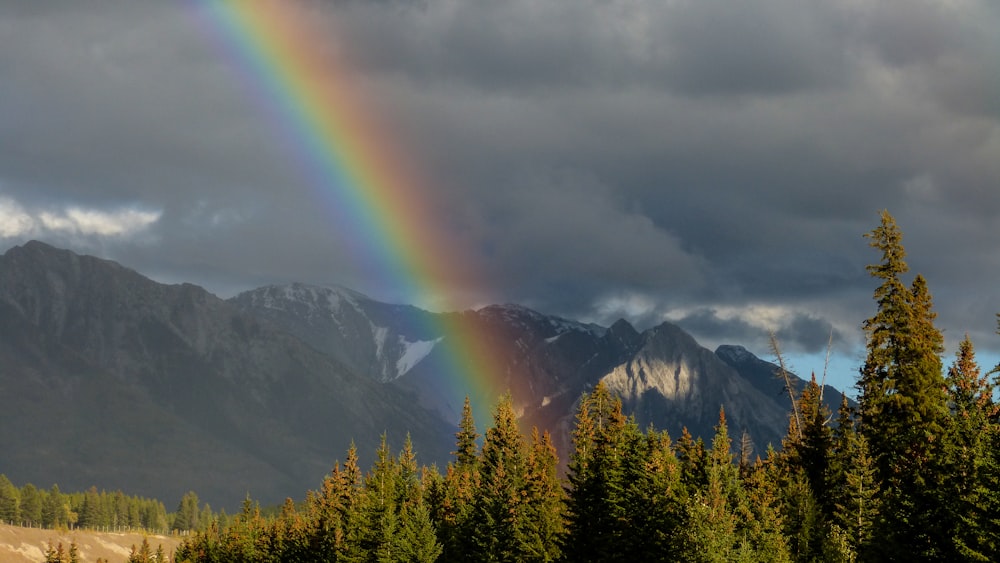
{"x":911,"y":474}
{"x":32,"y":507}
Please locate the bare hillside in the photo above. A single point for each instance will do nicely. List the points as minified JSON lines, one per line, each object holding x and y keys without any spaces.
{"x":28,"y":545}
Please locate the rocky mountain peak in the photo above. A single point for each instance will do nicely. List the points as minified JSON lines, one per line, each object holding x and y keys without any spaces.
{"x":734,"y":354}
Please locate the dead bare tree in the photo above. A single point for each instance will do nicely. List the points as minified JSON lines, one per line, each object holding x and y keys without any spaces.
{"x":783,"y":373}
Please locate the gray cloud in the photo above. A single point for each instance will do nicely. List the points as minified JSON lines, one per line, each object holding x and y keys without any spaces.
{"x":698,"y":161}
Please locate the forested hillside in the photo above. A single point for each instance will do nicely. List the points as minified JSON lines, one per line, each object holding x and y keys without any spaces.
{"x":912,"y":474}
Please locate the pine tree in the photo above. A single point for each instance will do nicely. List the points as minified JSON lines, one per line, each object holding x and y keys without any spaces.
{"x":379,"y":525}
{"x":417,"y":540}
{"x":596,"y":508}
{"x":465,"y":453}
{"x":334,"y":510}
{"x":143,"y":554}
{"x":852,"y":489}
{"x":499,"y":508}
{"x":692,"y":457}
{"x":10,"y":510}
{"x":54,"y":510}
{"x":90,"y":512}
{"x":970,"y":399}
{"x":451,"y":503}
{"x":655,"y":498}
{"x":817,"y":440}
{"x":56,"y":554}
{"x":186,"y":518}
{"x":544,"y":499}
{"x":903,"y":408}
{"x":31,"y":506}
{"x":710,"y":529}
{"x":801,"y":472}
{"x":860,"y":509}
{"x":759,"y":512}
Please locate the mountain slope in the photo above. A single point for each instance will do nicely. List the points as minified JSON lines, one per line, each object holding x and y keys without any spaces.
{"x":663,"y":376}
{"x":141,"y":385}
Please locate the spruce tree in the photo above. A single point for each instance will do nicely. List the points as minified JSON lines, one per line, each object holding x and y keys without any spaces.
{"x":499,"y":510}
{"x":10,"y":509}
{"x":903,"y":408}
{"x":710,"y":529}
{"x":379,"y":525}
{"x":31,"y":506}
{"x":970,"y":398}
{"x":186,"y":518}
{"x":54,"y":510}
{"x":761,"y":520}
{"x":653,"y":496}
{"x":692,"y":457}
{"x":596,"y":509}
{"x":465,"y":447}
{"x":452,"y":500}
{"x":418,"y":542}
{"x":544,"y":499}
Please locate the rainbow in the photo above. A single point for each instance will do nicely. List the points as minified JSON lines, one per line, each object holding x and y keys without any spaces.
{"x":377,"y":198}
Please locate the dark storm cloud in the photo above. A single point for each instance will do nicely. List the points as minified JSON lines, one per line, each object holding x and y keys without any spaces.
{"x":712,"y":162}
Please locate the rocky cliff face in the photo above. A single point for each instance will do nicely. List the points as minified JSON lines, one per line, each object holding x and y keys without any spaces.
{"x":110,"y":379}
{"x":673,"y":383}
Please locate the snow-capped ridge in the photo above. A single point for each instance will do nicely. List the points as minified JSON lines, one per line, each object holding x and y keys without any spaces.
{"x":519,"y":315}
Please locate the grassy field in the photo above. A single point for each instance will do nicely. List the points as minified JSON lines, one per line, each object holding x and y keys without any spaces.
{"x":24,"y":545}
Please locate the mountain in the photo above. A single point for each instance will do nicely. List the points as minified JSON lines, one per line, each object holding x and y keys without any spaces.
{"x":664,"y":377}
{"x":108,"y":378}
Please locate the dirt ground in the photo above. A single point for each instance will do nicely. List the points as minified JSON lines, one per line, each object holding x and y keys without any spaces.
{"x":28,"y":545}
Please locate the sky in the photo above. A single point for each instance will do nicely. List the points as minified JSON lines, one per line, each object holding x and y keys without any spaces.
{"x":712,"y":163}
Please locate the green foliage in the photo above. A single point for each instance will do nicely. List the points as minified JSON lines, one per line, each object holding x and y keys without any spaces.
{"x":10,"y":501}
{"x":187,"y":517}
{"x":903,"y":407}
{"x":596,"y":509}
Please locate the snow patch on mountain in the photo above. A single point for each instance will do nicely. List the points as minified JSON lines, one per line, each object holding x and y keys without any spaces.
{"x":413,"y":353}
{"x":734,"y":354}
{"x":379,"y":334}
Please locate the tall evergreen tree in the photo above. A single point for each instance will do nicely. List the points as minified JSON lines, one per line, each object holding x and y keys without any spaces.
{"x":31,"y":506}
{"x":186,"y":517}
{"x":970,"y":398}
{"x":379,"y":525}
{"x":544,"y":499}
{"x":903,"y":408}
{"x":710,"y":528}
{"x":596,"y":509}
{"x":761,"y":521}
{"x":451,"y":500}
{"x":499,"y":508}
{"x":466,"y":439}
{"x":10,"y":509}
{"x":692,"y":457}
{"x":54,"y":509}
{"x":655,"y":498}
{"x":417,"y":541}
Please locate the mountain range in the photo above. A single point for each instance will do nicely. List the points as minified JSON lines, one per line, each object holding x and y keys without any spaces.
{"x":109,"y":378}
